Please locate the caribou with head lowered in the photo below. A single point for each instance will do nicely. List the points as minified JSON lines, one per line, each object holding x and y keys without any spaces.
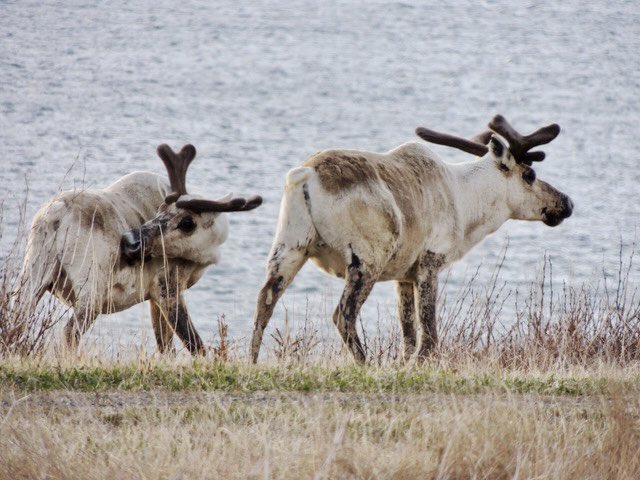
{"x":93,"y":250}
{"x":403,"y":215}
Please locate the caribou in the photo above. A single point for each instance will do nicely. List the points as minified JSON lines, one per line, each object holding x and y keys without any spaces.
{"x":142,"y":238}
{"x":403,"y":215}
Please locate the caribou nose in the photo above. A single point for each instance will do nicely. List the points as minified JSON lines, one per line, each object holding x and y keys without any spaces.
{"x":567,"y":206}
{"x":131,"y":244}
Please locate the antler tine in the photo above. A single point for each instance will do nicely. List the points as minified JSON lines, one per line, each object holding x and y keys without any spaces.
{"x":177,"y":165}
{"x":238,"y":204}
{"x":521,"y":144}
{"x":475,"y":146}
{"x":543,"y":135}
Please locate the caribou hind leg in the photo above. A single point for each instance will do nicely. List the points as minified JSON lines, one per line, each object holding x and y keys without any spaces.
{"x":359,"y":281}
{"x":407,"y":316}
{"x":426,"y":292}
{"x":283,"y":266}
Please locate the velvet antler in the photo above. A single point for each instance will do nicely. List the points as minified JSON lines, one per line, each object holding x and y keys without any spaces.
{"x":177,"y":165}
{"x":519,"y":145}
{"x":238,"y":204}
{"x":476,"y":145}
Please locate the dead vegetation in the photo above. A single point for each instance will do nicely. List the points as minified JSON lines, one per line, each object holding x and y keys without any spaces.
{"x":321,"y":436}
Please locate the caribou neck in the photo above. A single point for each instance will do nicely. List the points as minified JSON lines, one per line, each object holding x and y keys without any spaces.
{"x":481,"y":206}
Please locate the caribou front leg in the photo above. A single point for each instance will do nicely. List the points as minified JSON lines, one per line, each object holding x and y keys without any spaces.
{"x":174,"y":309}
{"x":184,"y":328}
{"x":161,"y":329}
{"x":426,"y":292}
{"x":82,"y":318}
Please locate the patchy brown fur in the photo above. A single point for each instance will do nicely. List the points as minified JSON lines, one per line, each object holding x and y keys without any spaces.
{"x":64,"y":287}
{"x":339,"y":172}
{"x":93,"y":219}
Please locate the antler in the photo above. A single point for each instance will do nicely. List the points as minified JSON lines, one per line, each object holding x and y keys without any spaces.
{"x":238,"y":204}
{"x":476,"y":145}
{"x":519,"y":145}
{"x":177,"y":165}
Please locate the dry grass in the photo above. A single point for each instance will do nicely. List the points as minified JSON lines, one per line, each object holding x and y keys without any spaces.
{"x":23,"y":331}
{"x":176,"y":418}
{"x":320,"y":436}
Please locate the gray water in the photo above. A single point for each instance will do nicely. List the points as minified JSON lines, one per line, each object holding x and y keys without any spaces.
{"x":87,"y":91}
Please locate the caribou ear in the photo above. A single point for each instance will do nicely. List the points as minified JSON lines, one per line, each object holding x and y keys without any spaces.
{"x":226,"y":198}
{"x":171,"y":198}
{"x":482,"y":138}
{"x":496,"y":146}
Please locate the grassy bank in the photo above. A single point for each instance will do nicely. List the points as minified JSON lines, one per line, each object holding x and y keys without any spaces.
{"x":32,"y":376}
{"x":175,"y":418}
{"x":178,"y":419}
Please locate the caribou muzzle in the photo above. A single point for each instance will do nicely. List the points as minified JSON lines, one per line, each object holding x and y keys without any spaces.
{"x":554,"y":217}
{"x":132,"y":245}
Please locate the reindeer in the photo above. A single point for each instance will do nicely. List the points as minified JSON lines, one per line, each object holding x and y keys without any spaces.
{"x":76,"y":249}
{"x":403,"y":215}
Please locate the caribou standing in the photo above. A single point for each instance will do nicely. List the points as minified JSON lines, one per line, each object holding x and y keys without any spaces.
{"x":76,"y":249}
{"x":403,"y":215}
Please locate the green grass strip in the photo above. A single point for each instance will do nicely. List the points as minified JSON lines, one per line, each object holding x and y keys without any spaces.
{"x":201,"y":376}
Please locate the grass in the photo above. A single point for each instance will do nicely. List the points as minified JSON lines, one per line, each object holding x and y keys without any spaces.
{"x":24,"y":376}
{"x":95,"y":418}
{"x":193,"y":434}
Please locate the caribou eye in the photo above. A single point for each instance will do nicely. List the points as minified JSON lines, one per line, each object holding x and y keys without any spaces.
{"x":186,"y":224}
{"x":529,"y":176}
{"x":497,"y":147}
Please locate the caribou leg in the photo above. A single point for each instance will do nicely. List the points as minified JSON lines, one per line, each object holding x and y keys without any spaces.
{"x":426,"y":292}
{"x":426,"y":296}
{"x":359,"y":281}
{"x":282,"y":267}
{"x":168,"y":297}
{"x":183,"y":326}
{"x":161,"y":329}
{"x":83,"y":317}
{"x":407,"y":316}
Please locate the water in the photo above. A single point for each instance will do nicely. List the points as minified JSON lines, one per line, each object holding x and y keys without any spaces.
{"x":88,"y":90}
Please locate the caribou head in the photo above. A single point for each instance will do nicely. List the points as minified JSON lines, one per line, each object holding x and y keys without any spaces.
{"x":186,"y":226}
{"x":527,"y":197}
